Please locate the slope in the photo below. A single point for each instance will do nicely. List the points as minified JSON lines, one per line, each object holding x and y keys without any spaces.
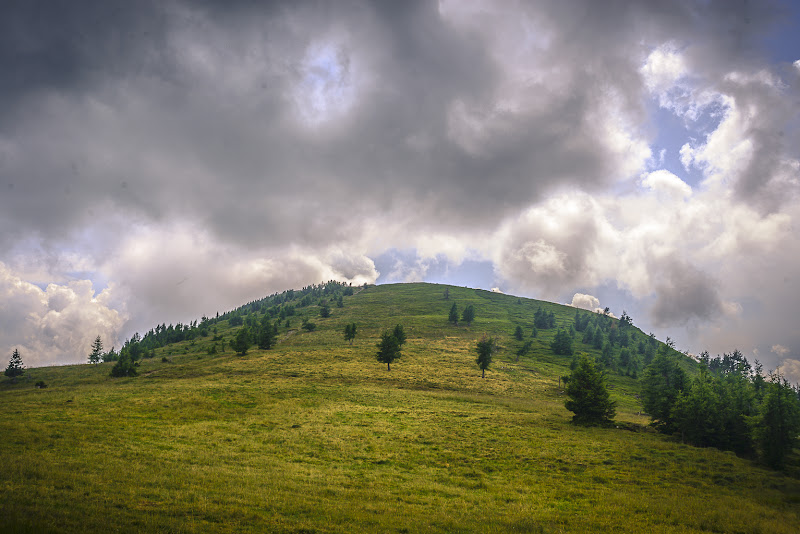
{"x":314,"y":435}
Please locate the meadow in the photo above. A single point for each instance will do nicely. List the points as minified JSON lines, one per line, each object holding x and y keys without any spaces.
{"x":315,"y":435}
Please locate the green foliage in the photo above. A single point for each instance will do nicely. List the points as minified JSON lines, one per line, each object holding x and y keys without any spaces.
{"x":518,"y":335}
{"x":485,"y":348}
{"x":241,"y":342}
{"x":15,"y":367}
{"x":399,"y":334}
{"x":309,"y":326}
{"x":697,"y":413}
{"x":267,"y":334}
{"x":544,"y":320}
{"x":588,"y":396}
{"x":524,"y":349}
{"x":388,"y":349}
{"x":662,"y":383}
{"x":96,"y":356}
{"x":324,"y":311}
{"x":778,"y":422}
{"x":562,"y":344}
{"x":453,"y":317}
{"x":295,"y":440}
{"x":469,"y":314}
{"x":350,"y":332}
{"x":124,"y":366}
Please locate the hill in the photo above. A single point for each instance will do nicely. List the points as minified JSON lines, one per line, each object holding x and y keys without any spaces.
{"x":315,"y":435}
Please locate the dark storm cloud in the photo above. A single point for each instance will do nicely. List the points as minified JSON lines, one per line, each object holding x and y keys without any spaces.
{"x":684,"y":293}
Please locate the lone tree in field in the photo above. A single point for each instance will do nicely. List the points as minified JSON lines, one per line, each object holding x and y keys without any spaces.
{"x":453,"y":318}
{"x":469,"y":314}
{"x":15,"y":367}
{"x":524,"y":349}
{"x":485,"y":347}
{"x":350,"y":332}
{"x":588,"y":396}
{"x":388,"y":349}
{"x":518,"y":335}
{"x":96,"y":356}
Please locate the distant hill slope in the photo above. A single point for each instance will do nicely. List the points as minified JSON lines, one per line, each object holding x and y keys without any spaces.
{"x":315,"y":435}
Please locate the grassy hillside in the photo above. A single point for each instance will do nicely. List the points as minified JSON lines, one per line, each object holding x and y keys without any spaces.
{"x":315,"y":435}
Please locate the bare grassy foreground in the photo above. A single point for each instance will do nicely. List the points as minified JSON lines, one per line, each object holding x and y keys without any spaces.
{"x":316,"y":436}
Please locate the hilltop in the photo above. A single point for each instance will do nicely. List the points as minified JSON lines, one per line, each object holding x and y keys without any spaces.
{"x":315,"y":435}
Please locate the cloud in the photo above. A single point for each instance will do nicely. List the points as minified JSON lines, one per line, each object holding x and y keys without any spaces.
{"x":188,"y":157}
{"x":790,"y":369}
{"x":587,"y":302}
{"x":57,"y":323}
{"x":780,"y":350}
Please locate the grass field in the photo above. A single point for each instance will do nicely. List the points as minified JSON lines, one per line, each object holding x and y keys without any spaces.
{"x":316,"y":436}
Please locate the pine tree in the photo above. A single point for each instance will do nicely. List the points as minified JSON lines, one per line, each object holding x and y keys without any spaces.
{"x":15,"y":367}
{"x":778,"y":423}
{"x":562,"y":343}
{"x":350,"y":332}
{"x":96,"y":356}
{"x":589,"y":399}
{"x":241,"y":342}
{"x":663,"y":380}
{"x":388,"y":349}
{"x":486,"y":347}
{"x":518,"y":335}
{"x":453,"y":318}
{"x":399,"y":334}
{"x":469,"y":314}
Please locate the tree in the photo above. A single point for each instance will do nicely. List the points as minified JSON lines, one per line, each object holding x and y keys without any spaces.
{"x":485,"y":348}
{"x":350,"y":332}
{"x":15,"y":367}
{"x":399,"y":334}
{"x":469,"y":314}
{"x":662,"y":382}
{"x":778,"y":422}
{"x":524,"y":349}
{"x":697,"y":414}
{"x":388,"y":349}
{"x":518,"y":335}
{"x":96,"y":356}
{"x":267,"y":334}
{"x":125,"y":365}
{"x":241,"y":342}
{"x":588,"y":396}
{"x":447,"y":293}
{"x":453,"y":318}
{"x":562,"y":343}
{"x":325,"y":311}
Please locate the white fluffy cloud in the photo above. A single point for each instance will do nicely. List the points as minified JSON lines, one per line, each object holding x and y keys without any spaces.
{"x":587,"y":302}
{"x":55,"y":324}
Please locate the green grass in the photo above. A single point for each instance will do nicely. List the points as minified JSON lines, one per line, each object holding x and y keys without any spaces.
{"x":316,"y":436}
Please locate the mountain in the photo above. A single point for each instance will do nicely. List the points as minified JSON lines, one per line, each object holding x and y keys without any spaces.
{"x":316,"y":435}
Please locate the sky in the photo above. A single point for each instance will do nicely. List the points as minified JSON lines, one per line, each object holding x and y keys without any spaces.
{"x":165,"y":160}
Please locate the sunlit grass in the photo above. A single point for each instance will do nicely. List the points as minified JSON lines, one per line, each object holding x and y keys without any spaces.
{"x":316,"y":436}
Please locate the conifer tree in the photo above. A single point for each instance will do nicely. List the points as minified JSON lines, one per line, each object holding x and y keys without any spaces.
{"x":778,"y":423}
{"x":241,"y":342}
{"x":469,"y":314}
{"x":486,"y":347}
{"x":350,"y":332}
{"x":15,"y":367}
{"x":96,"y":356}
{"x":453,"y":318}
{"x":388,"y":349}
{"x":589,"y":399}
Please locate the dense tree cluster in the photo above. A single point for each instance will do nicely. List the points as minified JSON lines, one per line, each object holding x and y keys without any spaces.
{"x":728,"y":405}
